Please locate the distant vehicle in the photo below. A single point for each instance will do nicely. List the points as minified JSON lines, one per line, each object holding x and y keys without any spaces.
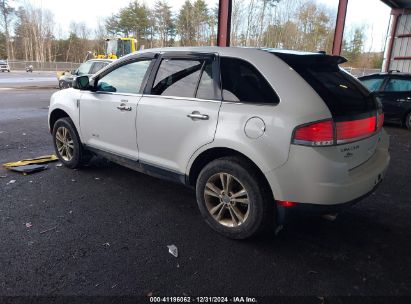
{"x":4,"y":66}
{"x":254,"y":131}
{"x":89,"y":67}
{"x":118,"y":47}
{"x":394,"y":91}
{"x":29,"y":69}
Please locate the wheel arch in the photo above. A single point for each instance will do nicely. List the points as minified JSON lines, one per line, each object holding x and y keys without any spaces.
{"x":404,"y":118}
{"x":214,"y":153}
{"x":55,"y":115}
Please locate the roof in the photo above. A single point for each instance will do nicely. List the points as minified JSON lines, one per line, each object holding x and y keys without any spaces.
{"x":229,"y":51}
{"x":398,"y":3}
{"x":102,"y":59}
{"x":386,"y":74}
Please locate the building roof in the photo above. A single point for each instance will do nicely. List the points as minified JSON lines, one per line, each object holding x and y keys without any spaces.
{"x":398,"y":3}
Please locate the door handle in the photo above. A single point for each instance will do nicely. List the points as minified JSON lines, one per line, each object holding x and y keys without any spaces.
{"x":124,"y":107}
{"x":198,"y":116}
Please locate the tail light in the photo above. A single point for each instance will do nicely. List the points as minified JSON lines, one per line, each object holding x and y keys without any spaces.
{"x":355,"y":129}
{"x":315,"y":134}
{"x":328,"y":132}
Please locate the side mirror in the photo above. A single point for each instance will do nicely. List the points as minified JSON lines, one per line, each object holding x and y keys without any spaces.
{"x":81,"y":83}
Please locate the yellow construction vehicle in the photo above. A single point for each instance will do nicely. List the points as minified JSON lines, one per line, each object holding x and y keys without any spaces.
{"x":118,"y":47}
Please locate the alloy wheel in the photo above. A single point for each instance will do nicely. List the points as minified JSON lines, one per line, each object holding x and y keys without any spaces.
{"x":226,"y":199}
{"x":64,"y":144}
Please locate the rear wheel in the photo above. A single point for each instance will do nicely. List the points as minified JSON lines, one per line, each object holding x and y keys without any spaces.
{"x":233,"y":198}
{"x":67,"y":144}
{"x":408,"y":121}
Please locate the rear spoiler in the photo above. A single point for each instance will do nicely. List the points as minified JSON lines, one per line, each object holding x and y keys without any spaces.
{"x":310,"y":58}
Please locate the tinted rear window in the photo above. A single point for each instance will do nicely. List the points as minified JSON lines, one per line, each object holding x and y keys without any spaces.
{"x":342,"y":93}
{"x":242,"y":82}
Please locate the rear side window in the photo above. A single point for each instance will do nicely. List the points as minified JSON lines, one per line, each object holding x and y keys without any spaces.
{"x":177,"y":77}
{"x":398,"y":85}
{"x":242,"y":82}
{"x":372,"y":84}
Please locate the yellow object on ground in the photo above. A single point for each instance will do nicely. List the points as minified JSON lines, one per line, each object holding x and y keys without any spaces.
{"x":31,"y":161}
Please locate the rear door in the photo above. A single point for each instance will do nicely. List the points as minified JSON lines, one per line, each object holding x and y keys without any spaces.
{"x":395,"y":96}
{"x":179,"y":111}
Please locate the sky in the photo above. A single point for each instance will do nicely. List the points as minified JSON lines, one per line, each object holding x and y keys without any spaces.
{"x":371,"y":13}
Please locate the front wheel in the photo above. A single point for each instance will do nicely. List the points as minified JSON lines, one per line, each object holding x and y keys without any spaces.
{"x":233,"y":198}
{"x":67,"y":144}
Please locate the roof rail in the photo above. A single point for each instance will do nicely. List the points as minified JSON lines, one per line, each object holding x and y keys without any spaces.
{"x":392,"y":71}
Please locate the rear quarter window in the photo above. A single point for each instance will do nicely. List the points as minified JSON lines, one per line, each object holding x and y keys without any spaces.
{"x":242,"y":82}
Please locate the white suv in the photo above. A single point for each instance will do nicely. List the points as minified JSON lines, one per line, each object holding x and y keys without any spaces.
{"x":4,"y":66}
{"x":255,"y":131}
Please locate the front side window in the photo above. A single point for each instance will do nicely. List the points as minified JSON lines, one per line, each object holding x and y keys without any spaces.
{"x":372,"y":84}
{"x":243,"y":82}
{"x":127,"y":78}
{"x":177,"y":77}
{"x":398,"y":85}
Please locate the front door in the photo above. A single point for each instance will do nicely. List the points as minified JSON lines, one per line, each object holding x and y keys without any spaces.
{"x":108,"y":114}
{"x":179,"y":113}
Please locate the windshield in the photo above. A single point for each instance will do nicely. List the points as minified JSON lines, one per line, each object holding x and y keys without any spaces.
{"x":124,"y":48}
{"x":112,"y":47}
{"x":84,"y":68}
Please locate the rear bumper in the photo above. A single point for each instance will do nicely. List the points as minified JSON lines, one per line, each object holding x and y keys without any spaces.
{"x":310,"y":178}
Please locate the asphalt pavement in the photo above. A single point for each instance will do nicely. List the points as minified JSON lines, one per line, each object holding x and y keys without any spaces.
{"x":104,"y":230}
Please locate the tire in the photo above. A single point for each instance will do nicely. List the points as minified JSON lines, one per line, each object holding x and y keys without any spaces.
{"x":61,"y":84}
{"x":407,"y":121}
{"x":257,"y":215}
{"x":67,"y":144}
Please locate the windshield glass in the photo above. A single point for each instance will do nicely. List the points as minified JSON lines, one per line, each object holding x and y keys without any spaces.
{"x":124,"y":48}
{"x":84,"y":68}
{"x":112,"y":47}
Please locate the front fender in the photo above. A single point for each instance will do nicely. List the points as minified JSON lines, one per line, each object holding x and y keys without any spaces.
{"x":67,"y":100}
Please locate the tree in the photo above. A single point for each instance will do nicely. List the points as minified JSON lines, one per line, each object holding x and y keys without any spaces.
{"x":164,"y":24}
{"x":200,"y":21}
{"x":3,"y":51}
{"x":7,"y":13}
{"x":185,"y":24}
{"x":352,"y":48}
{"x":112,"y":25}
{"x":134,"y":20}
